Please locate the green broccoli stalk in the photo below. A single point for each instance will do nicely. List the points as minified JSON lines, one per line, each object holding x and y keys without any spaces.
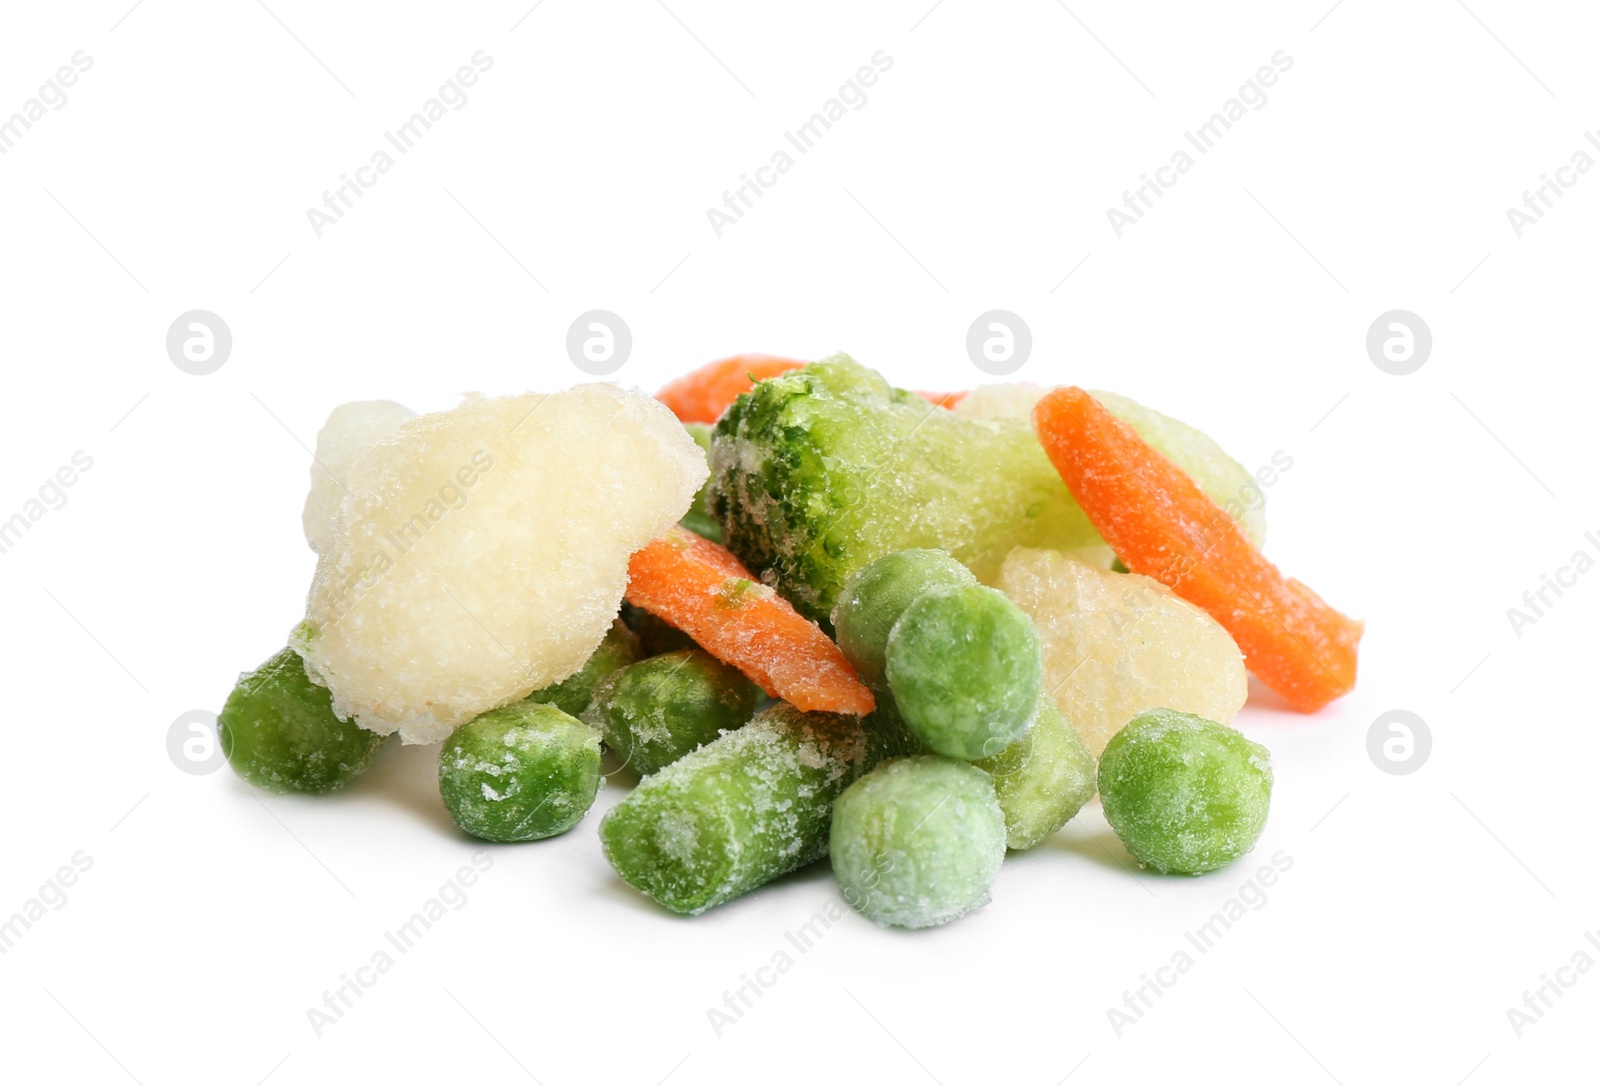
{"x":819,"y":471}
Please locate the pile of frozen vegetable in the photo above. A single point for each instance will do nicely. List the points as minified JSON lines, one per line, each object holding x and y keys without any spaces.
{"x":813,"y":614}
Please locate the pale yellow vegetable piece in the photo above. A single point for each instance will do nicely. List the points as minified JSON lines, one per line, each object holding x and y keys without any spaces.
{"x":351,"y":429}
{"x":1116,"y":644}
{"x":482,"y":553}
{"x":1218,"y":474}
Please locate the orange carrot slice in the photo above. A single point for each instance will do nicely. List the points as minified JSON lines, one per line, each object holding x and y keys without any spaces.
{"x":1160,"y":523}
{"x":704,"y":394}
{"x":701,"y":588}
{"x":942,"y":399}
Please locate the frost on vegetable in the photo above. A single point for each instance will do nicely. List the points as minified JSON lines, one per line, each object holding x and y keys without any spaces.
{"x":963,"y":664}
{"x":1186,"y":795}
{"x":1115,"y":644}
{"x":572,"y":695}
{"x":1043,"y":779}
{"x":351,"y":429}
{"x":482,"y":553}
{"x":520,"y":773}
{"x":918,"y":841}
{"x":740,"y":811}
{"x":278,"y":731}
{"x":656,"y":711}
{"x":817,"y":472}
{"x":1222,"y":477}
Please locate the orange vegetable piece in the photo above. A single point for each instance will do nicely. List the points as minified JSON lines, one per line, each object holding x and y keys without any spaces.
{"x":1160,"y":523}
{"x":943,"y":399}
{"x":701,"y":588}
{"x":704,"y":394}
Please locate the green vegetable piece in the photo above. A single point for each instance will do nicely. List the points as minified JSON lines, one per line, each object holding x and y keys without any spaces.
{"x":656,"y":635}
{"x":278,"y":731}
{"x":876,"y":595}
{"x":819,"y":471}
{"x":653,"y":713}
{"x":572,"y":695}
{"x":742,"y":810}
{"x":1043,"y":779}
{"x":520,"y":772}
{"x":700,"y":519}
{"x":1224,"y":479}
{"x":1185,"y":794}
{"x":918,"y":841}
{"x":964,"y":667}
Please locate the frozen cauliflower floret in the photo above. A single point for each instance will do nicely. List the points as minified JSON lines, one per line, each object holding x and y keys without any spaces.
{"x":1222,"y":477}
{"x":1116,"y":644}
{"x":351,"y":429}
{"x":481,"y":553}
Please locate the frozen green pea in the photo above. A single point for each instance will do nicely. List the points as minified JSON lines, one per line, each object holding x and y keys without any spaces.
{"x":963,"y":665}
{"x":520,"y":772}
{"x":278,"y":731}
{"x":1185,"y":794}
{"x":700,"y":519}
{"x":742,"y":810}
{"x":877,"y":594}
{"x":918,"y":841}
{"x":1043,"y":779}
{"x":656,"y":635}
{"x":572,"y":695}
{"x":654,"y":712}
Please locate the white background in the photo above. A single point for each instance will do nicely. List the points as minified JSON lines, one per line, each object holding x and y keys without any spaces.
{"x":1377,"y":176}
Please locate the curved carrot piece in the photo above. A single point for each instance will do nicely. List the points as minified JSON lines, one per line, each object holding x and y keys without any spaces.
{"x":704,"y":394}
{"x":701,"y":588}
{"x":1161,"y":524}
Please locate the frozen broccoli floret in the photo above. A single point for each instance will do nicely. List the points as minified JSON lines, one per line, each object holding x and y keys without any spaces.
{"x":819,"y":471}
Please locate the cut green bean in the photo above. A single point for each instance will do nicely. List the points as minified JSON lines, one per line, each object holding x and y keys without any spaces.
{"x":742,"y":810}
{"x":1043,"y":779}
{"x":278,"y":731}
{"x":654,"y":712}
{"x":572,"y":695}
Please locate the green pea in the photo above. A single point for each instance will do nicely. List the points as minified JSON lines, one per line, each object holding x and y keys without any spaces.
{"x":918,"y":841}
{"x":1185,"y":794}
{"x":519,"y":773}
{"x":875,"y":596}
{"x":572,"y":695}
{"x":278,"y":731}
{"x":963,"y":664}
{"x":654,"y":712}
